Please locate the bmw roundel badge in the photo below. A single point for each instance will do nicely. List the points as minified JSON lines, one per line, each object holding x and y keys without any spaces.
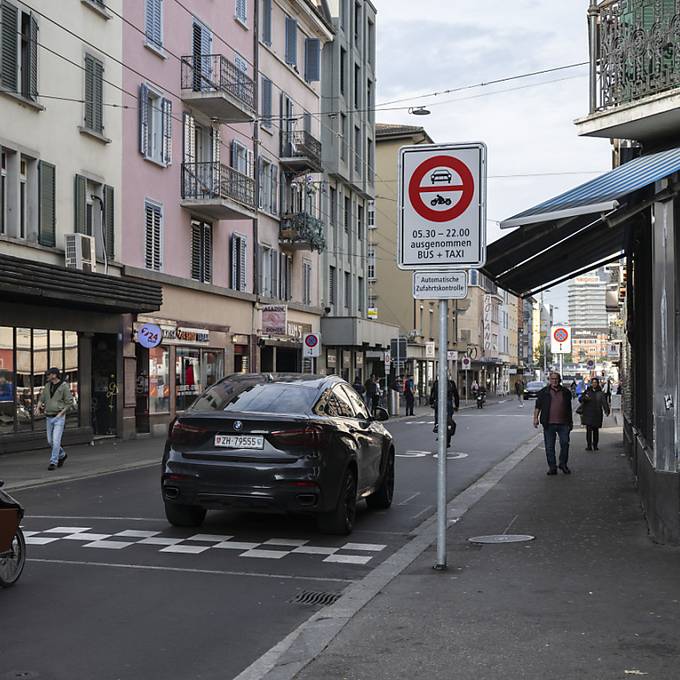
{"x":238,"y":425}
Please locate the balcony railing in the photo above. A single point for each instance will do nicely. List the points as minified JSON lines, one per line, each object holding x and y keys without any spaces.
{"x":635,"y":51}
{"x":302,"y":231}
{"x":215,"y":73}
{"x":299,"y":144}
{"x":207,"y":181}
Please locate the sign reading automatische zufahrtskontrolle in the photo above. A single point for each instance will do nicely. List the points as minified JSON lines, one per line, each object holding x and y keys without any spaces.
{"x":440,"y":285}
{"x":442,"y":206}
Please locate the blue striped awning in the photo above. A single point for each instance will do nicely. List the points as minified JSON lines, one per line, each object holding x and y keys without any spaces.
{"x":601,"y":194}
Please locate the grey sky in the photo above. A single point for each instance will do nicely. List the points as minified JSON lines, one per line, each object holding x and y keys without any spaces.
{"x":527,"y":124}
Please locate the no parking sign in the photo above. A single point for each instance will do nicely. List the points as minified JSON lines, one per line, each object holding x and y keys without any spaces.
{"x":311,"y":345}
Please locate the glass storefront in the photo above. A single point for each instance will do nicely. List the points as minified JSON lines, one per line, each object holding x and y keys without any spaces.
{"x":25,"y":356}
{"x":195,"y":369}
{"x":159,"y":380}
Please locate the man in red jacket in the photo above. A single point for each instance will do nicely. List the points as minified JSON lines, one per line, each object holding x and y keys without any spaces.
{"x":553,"y":411}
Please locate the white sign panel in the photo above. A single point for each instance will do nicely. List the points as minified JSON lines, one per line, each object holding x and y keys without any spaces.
{"x":466,"y":363}
{"x":452,"y":355}
{"x":311,"y":345}
{"x":430,"y":351}
{"x":440,"y":285}
{"x":560,"y":339}
{"x":442,"y":206}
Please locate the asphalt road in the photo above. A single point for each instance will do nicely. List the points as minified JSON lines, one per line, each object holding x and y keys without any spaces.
{"x":112,"y":591}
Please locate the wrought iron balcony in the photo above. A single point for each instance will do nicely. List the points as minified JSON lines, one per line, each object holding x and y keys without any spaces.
{"x":217,"y":87}
{"x":635,"y":51}
{"x":300,"y":151}
{"x":218,"y":191}
{"x":302,"y":231}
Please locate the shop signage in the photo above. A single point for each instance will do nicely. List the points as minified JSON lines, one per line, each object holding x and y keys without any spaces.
{"x":274,"y":319}
{"x":311,"y":345}
{"x":388,"y":360}
{"x":149,"y":335}
{"x":430,"y":351}
{"x":372,"y":313}
{"x":442,"y":206}
{"x":196,"y":336}
{"x":239,"y":339}
{"x":298,"y":330}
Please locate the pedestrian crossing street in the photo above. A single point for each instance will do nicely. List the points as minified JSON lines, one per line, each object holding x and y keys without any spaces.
{"x":196,"y":544}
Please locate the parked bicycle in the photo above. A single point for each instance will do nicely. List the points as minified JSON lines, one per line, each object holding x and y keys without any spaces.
{"x":12,"y":542}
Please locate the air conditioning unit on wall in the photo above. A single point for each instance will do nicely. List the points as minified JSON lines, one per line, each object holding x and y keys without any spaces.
{"x":81,"y":252}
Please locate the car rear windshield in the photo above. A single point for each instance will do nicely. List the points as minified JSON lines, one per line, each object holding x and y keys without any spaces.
{"x":256,"y":397}
{"x":535,"y":385}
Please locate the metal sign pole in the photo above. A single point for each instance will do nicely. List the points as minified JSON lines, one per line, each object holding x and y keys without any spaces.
{"x":442,"y":417}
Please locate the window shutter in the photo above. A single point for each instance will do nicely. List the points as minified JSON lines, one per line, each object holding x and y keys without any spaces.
{"x":154,"y":22}
{"x":207,"y":253}
{"x":9,"y":39}
{"x":189,"y":138}
{"x":291,"y":41}
{"x":234,"y":262}
{"x":144,"y":111}
{"x":261,"y":183}
{"x":98,"y":96}
{"x":89,"y":92}
{"x":47,"y":191}
{"x":158,"y":242}
{"x":80,"y":205}
{"x":149,"y":236}
{"x":166,"y":111}
{"x":274,"y":258}
{"x":275,"y":190}
{"x":243,"y":262}
{"x":206,"y":65}
{"x":196,"y":250}
{"x":33,"y":56}
{"x":250,"y":163}
{"x":109,"y":232}
{"x":266,"y":102}
{"x":312,"y":59}
{"x":267,"y":22}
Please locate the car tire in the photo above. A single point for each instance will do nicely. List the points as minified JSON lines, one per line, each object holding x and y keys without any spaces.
{"x":340,"y":521}
{"x":381,"y":498}
{"x":184,"y":515}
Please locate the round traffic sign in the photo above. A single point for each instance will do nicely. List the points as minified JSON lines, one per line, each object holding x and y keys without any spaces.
{"x":590,"y":363}
{"x":441,"y":185}
{"x":311,"y":340}
{"x":561,"y":335}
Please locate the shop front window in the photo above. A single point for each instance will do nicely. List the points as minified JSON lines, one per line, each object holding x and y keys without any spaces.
{"x":159,"y":385}
{"x":7,"y":383}
{"x":24,"y":379}
{"x":212,"y":362}
{"x":187,"y":376}
{"x":40,"y":356}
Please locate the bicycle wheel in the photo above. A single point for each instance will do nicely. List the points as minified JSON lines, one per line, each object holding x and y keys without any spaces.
{"x":12,"y":564}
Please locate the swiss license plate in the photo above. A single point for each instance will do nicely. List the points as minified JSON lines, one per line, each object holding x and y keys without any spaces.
{"x":239,"y":441}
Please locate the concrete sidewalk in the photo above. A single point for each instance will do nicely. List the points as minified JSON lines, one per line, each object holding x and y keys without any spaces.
{"x":590,"y":598}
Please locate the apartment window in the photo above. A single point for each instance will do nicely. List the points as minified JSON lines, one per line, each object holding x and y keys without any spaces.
{"x":307,"y":282}
{"x":370,"y":263}
{"x":360,"y":294}
{"x":343,"y":136}
{"x":312,"y":60}
{"x":473,"y":277}
{"x":285,"y":272}
{"x":372,"y":301}
{"x":332,"y":286}
{"x":241,"y":11}
{"x":371,"y":43}
{"x":3,"y":192}
{"x":334,"y":206}
{"x":153,"y":234}
{"x":357,"y":149}
{"x":266,"y":87}
{"x":94,"y":213}
{"x":360,"y":222}
{"x":348,"y":213}
{"x":343,"y":14}
{"x":23,"y":197}
{"x":371,"y":215}
{"x":18,"y":51}
{"x":291,"y":41}
{"x":153,"y":22}
{"x":357,"y":23}
{"x":241,"y":158}
{"x":266,"y":20}
{"x":357,"y":86}
{"x":370,"y":150}
{"x":268,"y":177}
{"x":239,"y":260}
{"x":94,"y":105}
{"x":348,"y":291}
{"x":155,"y":126}
{"x":370,"y":104}
{"x":267,"y":271}
{"x":343,"y":69}
{"x":201,"y":251}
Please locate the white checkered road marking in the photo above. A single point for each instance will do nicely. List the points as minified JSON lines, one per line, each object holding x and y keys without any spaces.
{"x":271,"y":549}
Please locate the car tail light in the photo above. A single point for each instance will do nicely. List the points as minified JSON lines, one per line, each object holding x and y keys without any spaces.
{"x":184,"y":434}
{"x":308,"y":437}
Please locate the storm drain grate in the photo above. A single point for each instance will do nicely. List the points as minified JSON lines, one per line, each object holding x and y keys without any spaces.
{"x":311,"y":597}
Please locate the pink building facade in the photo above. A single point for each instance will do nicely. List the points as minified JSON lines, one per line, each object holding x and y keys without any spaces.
{"x":189,"y":208}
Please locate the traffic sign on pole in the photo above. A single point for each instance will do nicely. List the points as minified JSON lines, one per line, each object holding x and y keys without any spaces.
{"x":560,"y":339}
{"x":311,"y":345}
{"x":442,"y":206}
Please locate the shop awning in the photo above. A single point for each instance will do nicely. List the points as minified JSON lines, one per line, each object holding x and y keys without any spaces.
{"x":578,"y":230}
{"x":40,"y":283}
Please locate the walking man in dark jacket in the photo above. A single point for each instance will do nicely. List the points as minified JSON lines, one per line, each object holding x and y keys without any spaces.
{"x":553,"y":411}
{"x":452,"y":404}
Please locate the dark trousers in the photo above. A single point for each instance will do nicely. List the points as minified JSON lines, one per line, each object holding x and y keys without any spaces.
{"x":592,"y":436}
{"x":410,"y":401}
{"x":550,"y":433}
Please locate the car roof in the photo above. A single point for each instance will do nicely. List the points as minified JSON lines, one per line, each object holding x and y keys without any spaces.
{"x":311,"y":380}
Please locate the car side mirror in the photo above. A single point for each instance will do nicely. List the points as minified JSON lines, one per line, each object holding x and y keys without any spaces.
{"x":381,"y":414}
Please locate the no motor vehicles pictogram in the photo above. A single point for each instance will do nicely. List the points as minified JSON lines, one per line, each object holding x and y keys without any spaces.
{"x":465,"y":189}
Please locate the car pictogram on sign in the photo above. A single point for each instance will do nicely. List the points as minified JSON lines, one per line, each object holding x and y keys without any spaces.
{"x":440,"y":176}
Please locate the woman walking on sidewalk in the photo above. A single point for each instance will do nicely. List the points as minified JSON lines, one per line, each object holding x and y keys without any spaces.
{"x":593,"y":404}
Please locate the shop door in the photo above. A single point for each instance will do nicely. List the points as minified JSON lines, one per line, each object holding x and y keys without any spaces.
{"x":104,"y":385}
{"x":142,"y":390}
{"x":287,"y":360}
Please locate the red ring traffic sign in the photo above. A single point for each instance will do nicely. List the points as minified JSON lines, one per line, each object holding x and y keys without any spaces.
{"x":466,"y":189}
{"x":561,"y":335}
{"x":311,"y":341}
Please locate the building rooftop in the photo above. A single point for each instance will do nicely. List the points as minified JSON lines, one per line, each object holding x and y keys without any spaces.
{"x":393,"y":130}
